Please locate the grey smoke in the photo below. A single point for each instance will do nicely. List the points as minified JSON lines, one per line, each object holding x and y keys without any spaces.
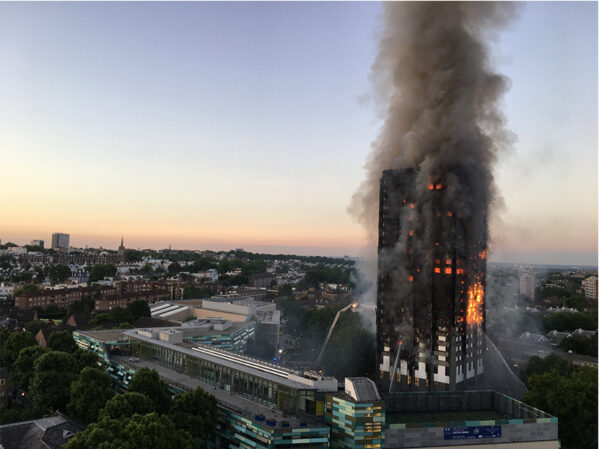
{"x":439,"y":97}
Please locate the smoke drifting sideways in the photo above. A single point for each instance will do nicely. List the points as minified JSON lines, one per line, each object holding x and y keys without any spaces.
{"x":439,"y":98}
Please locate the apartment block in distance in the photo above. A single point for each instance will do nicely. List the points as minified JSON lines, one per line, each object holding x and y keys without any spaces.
{"x":60,"y":240}
{"x":589,"y":285}
{"x":62,"y":298}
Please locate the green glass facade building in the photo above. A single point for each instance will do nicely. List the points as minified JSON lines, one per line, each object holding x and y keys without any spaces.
{"x":356,"y":416}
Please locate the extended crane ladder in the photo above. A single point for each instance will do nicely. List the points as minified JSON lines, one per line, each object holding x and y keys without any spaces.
{"x":326,"y":340}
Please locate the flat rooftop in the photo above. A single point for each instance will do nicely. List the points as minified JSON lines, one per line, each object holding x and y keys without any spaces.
{"x":447,"y":417}
{"x":236,"y":403}
{"x":255,"y":367}
{"x":105,"y":336}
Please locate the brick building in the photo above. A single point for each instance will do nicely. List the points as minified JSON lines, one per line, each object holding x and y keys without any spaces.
{"x":123,"y":300}
{"x":62,"y":298}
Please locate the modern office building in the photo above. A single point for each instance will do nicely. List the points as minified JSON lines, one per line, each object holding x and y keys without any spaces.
{"x":356,"y":416}
{"x":263,"y":406}
{"x":431,"y":285}
{"x":60,"y":240}
{"x":527,"y":285}
{"x":260,"y":405}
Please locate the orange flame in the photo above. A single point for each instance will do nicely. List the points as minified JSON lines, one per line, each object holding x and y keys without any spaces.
{"x":475,"y":302}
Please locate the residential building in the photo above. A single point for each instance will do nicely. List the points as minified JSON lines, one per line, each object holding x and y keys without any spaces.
{"x":261,"y":280}
{"x":589,"y":285}
{"x":37,"y":243}
{"x":109,"y":302}
{"x":60,"y":240}
{"x":527,"y":285}
{"x":430,"y":311}
{"x":50,"y":432}
{"x":62,"y":298}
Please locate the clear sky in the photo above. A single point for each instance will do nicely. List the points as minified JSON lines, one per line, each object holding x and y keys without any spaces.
{"x":224,"y":125}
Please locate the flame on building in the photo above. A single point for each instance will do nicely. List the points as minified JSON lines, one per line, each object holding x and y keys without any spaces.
{"x":476,"y":296}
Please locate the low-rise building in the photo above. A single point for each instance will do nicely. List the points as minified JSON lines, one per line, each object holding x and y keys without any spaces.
{"x":111,"y":301}
{"x":62,"y":298}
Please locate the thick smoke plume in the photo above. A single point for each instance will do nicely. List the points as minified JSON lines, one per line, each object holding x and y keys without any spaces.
{"x":439,"y":98}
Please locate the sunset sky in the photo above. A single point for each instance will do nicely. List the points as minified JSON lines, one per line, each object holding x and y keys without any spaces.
{"x":225,"y":125}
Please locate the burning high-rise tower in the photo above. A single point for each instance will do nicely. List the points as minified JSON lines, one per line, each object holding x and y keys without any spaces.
{"x":431,"y":176}
{"x":430,"y":299}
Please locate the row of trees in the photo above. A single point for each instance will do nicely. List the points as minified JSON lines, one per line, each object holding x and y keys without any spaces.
{"x":63,"y":377}
{"x":568,"y":392}
{"x":314,"y":276}
{"x":120,"y":317}
{"x":146,"y":417}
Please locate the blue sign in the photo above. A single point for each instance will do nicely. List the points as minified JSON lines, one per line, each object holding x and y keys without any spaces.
{"x":471,"y":433}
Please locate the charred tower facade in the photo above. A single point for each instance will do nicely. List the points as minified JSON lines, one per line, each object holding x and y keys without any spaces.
{"x":431,"y":283}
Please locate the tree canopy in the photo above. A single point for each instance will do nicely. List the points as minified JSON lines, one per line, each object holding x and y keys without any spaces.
{"x":24,"y":367}
{"x":9,"y":350}
{"x":126,"y":405}
{"x":89,"y":394}
{"x":573,"y":399}
{"x":195,"y":412}
{"x":100,"y":271}
{"x":51,"y":382}
{"x":59,"y":273}
{"x":147,"y":381}
{"x":149,"y":431}
{"x":62,"y":341}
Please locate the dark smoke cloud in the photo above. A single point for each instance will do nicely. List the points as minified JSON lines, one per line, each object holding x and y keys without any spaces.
{"x":439,"y":98}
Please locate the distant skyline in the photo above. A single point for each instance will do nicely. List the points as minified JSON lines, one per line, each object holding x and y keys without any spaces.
{"x":227,"y":125}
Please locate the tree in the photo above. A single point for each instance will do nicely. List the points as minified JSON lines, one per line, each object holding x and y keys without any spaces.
{"x":89,"y":394}
{"x":13,"y":345}
{"x":120,"y":315}
{"x":193,"y":292}
{"x":59,"y":273}
{"x":101,"y":319}
{"x":224,"y":266}
{"x":580,"y":345}
{"x":139,"y":308}
{"x":146,"y":268}
{"x":149,"y":431}
{"x":126,"y":405}
{"x":34,"y":326}
{"x":147,"y":381}
{"x":174,"y":268}
{"x":85,"y":358}
{"x":195,"y":411}
{"x":100,"y":271}
{"x":577,"y":302}
{"x":62,"y":341}
{"x":253,"y":268}
{"x":28,"y":288}
{"x":51,"y":382}
{"x":538,"y":365}
{"x":24,"y":367}
{"x":573,"y":399}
